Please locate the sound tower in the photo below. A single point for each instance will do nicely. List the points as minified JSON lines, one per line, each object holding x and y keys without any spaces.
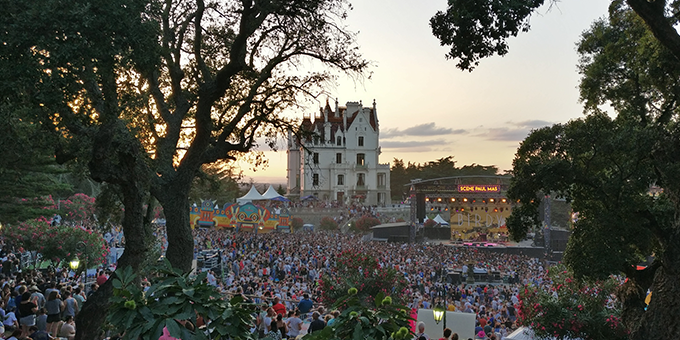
{"x":420,"y":208}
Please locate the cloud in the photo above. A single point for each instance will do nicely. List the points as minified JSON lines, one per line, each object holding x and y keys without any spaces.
{"x":426,"y":129}
{"x":513,"y":131}
{"x":414,"y":146}
{"x":534,"y":124}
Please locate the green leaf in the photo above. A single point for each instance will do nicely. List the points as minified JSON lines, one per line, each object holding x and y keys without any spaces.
{"x":173,"y":328}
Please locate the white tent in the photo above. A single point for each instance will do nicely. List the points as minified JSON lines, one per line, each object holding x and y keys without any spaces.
{"x":440,"y":220}
{"x":522,"y":333}
{"x":525,"y":333}
{"x":252,"y":195}
{"x":270,"y":193}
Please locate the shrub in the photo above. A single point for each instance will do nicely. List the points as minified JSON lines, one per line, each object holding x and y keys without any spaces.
{"x":365,"y":223}
{"x":328,"y":223}
{"x":296,"y":223}
{"x":362,"y":272}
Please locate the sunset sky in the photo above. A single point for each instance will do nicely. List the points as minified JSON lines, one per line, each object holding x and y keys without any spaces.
{"x":429,"y":109}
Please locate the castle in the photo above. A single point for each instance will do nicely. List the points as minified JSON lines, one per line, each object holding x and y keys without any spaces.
{"x":337,"y":157}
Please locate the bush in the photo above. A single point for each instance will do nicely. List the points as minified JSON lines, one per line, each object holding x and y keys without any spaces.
{"x":572,"y":308}
{"x":328,"y":223}
{"x":296,"y":223}
{"x":58,"y":243}
{"x":365,"y":223}
{"x":362,"y":272}
{"x":174,"y":297}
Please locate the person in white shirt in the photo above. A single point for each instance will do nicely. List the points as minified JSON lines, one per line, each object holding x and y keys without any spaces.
{"x":294,"y":324}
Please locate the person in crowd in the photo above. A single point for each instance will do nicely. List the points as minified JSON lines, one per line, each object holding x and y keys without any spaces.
{"x":54,"y":307}
{"x":446,"y":335}
{"x":273,"y":333}
{"x":28,"y":308}
{"x":317,"y":323}
{"x":36,"y":334}
{"x":294,"y":324}
{"x":67,"y":328}
{"x":420,"y":333}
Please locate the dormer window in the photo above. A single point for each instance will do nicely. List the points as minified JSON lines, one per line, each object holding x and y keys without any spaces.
{"x":361,"y":141}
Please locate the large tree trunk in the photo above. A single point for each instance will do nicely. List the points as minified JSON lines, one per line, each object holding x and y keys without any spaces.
{"x":137,"y":233}
{"x":180,"y":250}
{"x":661,"y":319}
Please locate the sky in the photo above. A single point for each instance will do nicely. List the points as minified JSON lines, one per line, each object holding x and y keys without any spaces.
{"x":429,"y":109}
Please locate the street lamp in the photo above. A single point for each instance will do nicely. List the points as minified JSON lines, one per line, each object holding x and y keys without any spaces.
{"x":439,"y":313}
{"x":75,"y":262}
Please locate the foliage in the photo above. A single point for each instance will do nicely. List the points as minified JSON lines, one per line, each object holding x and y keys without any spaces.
{"x":218,"y":182}
{"x":175,"y":297}
{"x":328,"y":223}
{"x":381,"y":320}
{"x":401,"y":175}
{"x":459,"y":26}
{"x":363,"y":272}
{"x":620,"y":173}
{"x":79,"y":208}
{"x":296,"y":223}
{"x":58,"y":243}
{"x":29,"y":172}
{"x":569,"y":308}
{"x":364,"y":223}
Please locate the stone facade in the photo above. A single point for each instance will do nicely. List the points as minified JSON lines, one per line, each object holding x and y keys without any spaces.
{"x":338,"y":159}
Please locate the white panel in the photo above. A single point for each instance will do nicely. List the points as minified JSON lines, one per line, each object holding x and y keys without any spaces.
{"x":458,"y":322}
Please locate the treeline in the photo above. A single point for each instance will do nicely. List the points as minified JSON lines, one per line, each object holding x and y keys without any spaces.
{"x":401,"y":174}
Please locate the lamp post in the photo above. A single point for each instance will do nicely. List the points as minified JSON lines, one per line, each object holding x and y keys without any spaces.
{"x":439,"y":315}
{"x":75,"y":262}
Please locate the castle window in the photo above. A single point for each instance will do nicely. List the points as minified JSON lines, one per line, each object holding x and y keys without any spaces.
{"x":361,"y":180}
{"x":381,"y":180}
{"x":315,"y":179}
{"x":338,"y":158}
{"x":316,"y":158}
{"x":361,"y":141}
{"x":361,"y":159}
{"x":341,"y":179}
{"x":339,"y":140}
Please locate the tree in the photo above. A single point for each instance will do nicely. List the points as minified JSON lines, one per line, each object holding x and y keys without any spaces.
{"x":459,"y":26}
{"x":147,"y":92}
{"x":328,"y":223}
{"x":29,"y":172}
{"x":364,"y":223}
{"x":605,"y":166}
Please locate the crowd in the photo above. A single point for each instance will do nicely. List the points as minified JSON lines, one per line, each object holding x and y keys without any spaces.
{"x":40,"y":304}
{"x":283,"y":269}
{"x":281,"y":272}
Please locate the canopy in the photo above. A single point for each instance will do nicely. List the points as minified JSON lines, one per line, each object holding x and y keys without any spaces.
{"x":270,"y":193}
{"x":309,"y":198}
{"x":281,"y":199}
{"x":440,"y":220}
{"x":252,"y":195}
{"x":525,"y":333}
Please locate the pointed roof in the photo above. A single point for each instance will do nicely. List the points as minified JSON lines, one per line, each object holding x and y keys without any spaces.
{"x":252,"y":195}
{"x":270,"y":193}
{"x":440,"y":220}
